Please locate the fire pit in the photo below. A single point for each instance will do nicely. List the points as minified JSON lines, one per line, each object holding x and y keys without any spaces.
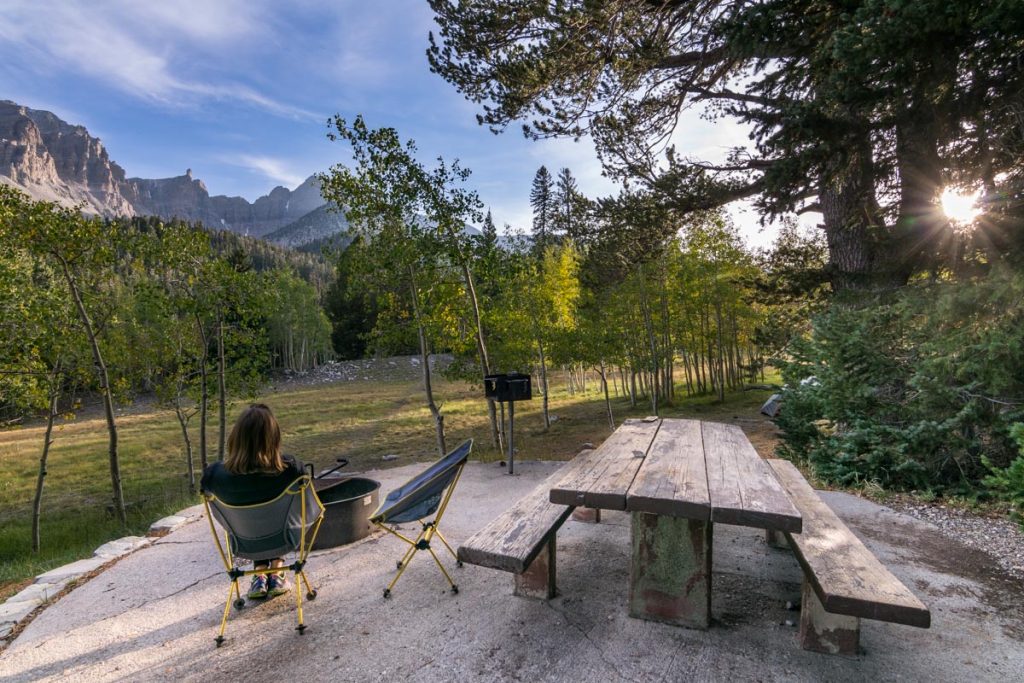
{"x":348,"y":504}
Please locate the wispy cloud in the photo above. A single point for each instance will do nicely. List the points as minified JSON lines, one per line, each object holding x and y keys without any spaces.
{"x":277,"y":170}
{"x":147,"y":50}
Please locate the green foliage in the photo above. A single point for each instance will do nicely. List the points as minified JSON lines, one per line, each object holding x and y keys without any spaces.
{"x":1008,"y":482}
{"x":867,"y":108}
{"x":351,"y":307}
{"x":911,"y":388}
{"x":789,"y":286}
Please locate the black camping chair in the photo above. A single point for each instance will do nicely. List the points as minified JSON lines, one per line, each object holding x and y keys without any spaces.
{"x":421,"y":496}
{"x":286,"y":524}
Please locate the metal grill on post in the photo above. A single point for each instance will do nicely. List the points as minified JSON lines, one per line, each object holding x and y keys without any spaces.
{"x":509,"y":388}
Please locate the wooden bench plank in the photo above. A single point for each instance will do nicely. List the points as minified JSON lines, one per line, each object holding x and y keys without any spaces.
{"x":673,"y":481}
{"x":512,"y":540}
{"x":845,"y":575}
{"x":743,"y":489}
{"x":605,"y":476}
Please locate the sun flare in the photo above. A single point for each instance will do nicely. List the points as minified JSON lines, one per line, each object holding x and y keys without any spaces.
{"x":960,"y":207}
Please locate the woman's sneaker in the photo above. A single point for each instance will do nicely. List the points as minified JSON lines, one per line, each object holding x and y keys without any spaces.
{"x":258,"y":587}
{"x":277,"y":584}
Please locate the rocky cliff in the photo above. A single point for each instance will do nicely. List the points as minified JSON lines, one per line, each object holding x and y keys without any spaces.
{"x":58,"y":162}
{"x":55,"y":161}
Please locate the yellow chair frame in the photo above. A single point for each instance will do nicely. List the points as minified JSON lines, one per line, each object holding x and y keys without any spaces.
{"x":298,"y":487}
{"x":422,"y":541}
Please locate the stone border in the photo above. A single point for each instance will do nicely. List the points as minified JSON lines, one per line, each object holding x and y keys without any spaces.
{"x":16,"y":611}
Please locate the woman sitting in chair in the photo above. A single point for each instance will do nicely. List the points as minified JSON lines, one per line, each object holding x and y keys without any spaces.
{"x":254,"y":471}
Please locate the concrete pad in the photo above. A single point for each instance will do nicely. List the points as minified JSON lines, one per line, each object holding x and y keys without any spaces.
{"x":154,"y":614}
{"x":40,"y":592}
{"x":16,"y":611}
{"x":169,"y":523}
{"x":72,"y":570}
{"x":121,"y":546}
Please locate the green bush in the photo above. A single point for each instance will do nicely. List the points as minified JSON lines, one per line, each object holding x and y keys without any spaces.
{"x":913,"y":388}
{"x":1008,"y":482}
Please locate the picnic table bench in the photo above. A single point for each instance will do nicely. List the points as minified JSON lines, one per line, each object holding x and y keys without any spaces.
{"x":677,"y":478}
{"x":522,"y":539}
{"x":843,"y":580}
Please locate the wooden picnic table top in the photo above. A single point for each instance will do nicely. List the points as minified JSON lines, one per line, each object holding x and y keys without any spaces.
{"x":680,"y":468}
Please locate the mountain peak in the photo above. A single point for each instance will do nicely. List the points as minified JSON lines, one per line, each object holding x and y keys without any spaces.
{"x":56,"y":161}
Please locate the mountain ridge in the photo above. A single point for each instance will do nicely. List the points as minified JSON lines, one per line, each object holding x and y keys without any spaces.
{"x":53,"y":160}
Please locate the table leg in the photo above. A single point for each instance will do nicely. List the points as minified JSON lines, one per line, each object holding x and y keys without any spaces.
{"x":776,"y":539}
{"x":590,"y":515}
{"x":538,"y":581}
{"x":670,"y":572}
{"x":822,"y":631}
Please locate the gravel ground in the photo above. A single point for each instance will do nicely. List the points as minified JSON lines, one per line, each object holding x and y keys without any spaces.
{"x":1000,"y":537}
{"x":382,"y":369}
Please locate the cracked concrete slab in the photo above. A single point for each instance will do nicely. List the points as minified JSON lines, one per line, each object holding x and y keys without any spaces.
{"x":153,"y":615}
{"x":39,"y":592}
{"x":169,"y":523}
{"x":72,"y":570}
{"x":15,"y":611}
{"x":121,"y":546}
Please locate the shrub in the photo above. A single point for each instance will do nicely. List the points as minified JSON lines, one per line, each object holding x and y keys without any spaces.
{"x":913,"y":387}
{"x":1008,"y":482}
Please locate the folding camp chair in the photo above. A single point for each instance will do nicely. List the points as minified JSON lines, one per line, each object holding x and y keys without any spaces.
{"x":417,"y":498}
{"x":286,"y":524}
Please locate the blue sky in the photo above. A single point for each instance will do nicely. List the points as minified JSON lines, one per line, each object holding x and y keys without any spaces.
{"x":240,"y":90}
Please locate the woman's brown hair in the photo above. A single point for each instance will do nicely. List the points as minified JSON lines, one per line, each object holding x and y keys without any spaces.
{"x":255,"y":442}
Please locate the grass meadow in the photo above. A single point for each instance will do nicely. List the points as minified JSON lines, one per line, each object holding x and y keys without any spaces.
{"x":359,"y":420}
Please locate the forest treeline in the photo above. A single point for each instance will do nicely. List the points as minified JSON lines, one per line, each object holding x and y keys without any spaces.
{"x":119,"y":307}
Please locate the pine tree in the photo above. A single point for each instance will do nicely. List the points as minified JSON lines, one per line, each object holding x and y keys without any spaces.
{"x":568,"y":207}
{"x":541,"y":200}
{"x":490,"y":233}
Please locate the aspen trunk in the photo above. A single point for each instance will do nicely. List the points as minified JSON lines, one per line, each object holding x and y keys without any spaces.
{"x":425,"y":361}
{"x":190,"y":468}
{"x":607,"y":400}
{"x":481,"y":346}
{"x":204,"y":393}
{"x":37,"y":501}
{"x":544,"y":383}
{"x":721,"y":361}
{"x":222,"y":405}
{"x":108,"y":401}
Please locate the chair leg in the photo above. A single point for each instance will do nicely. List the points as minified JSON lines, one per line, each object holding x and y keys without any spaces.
{"x":232,"y":590}
{"x":455,"y":589}
{"x":310,"y":591}
{"x":301,"y":628}
{"x":401,"y":570}
{"x":408,"y":555}
{"x":444,"y":540}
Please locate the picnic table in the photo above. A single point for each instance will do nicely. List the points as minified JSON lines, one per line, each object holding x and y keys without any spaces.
{"x":677,"y":478}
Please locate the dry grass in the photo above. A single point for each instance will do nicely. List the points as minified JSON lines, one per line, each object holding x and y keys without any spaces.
{"x":358,"y":420}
